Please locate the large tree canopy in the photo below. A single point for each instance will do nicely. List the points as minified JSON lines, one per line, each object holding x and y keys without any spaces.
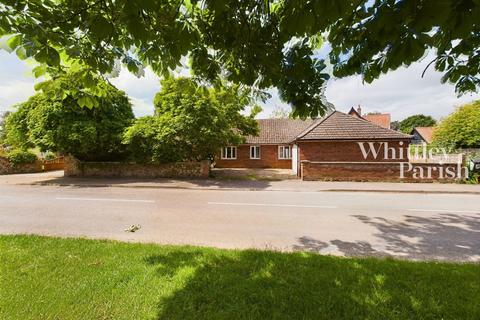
{"x":461,"y":129}
{"x":417,"y":120}
{"x":191,"y":122}
{"x":55,"y":120}
{"x":261,"y":43}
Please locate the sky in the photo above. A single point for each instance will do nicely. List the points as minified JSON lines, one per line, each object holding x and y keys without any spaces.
{"x":402,"y":92}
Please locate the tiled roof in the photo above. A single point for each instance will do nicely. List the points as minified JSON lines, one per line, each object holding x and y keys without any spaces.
{"x":382,"y":119}
{"x":277,"y":131}
{"x":341,"y":126}
{"x":426,"y":133}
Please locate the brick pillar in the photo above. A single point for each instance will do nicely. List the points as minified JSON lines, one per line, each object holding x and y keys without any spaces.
{"x":73,"y":167}
{"x":205,"y":168}
{"x":304,"y":168}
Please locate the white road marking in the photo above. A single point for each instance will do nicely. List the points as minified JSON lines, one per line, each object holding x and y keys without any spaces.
{"x":441,"y":210}
{"x":107,"y":199}
{"x":270,"y":205}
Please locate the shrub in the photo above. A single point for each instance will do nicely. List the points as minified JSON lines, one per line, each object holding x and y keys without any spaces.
{"x":474,"y":179}
{"x":50,"y":155}
{"x":151,"y":139}
{"x":18,"y":156}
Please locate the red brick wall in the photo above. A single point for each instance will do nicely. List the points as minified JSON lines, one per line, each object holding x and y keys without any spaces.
{"x":268,"y":159}
{"x":348,"y":151}
{"x":76,"y":168}
{"x":356,"y":171}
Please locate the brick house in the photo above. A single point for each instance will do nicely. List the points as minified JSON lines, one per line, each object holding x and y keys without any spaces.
{"x":272,"y":148}
{"x":337,"y":137}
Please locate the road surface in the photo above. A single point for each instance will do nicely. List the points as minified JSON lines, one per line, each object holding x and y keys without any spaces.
{"x":414,"y":226}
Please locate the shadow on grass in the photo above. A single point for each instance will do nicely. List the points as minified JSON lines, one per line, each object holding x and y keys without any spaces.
{"x":439,"y":237}
{"x":269,"y":285}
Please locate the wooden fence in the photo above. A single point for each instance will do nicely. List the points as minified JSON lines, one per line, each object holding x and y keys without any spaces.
{"x":54,"y":164}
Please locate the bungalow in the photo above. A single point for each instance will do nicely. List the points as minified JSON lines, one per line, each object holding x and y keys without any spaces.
{"x":272,"y":148}
{"x":337,"y":137}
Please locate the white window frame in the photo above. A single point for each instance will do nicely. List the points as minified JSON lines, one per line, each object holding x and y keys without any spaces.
{"x":256,"y":155}
{"x":281,"y":152}
{"x":225,"y":156}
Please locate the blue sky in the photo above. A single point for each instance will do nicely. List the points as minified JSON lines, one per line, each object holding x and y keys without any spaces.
{"x":401,"y":93}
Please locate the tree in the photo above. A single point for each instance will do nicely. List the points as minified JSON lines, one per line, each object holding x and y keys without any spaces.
{"x":254,"y":42}
{"x":395,"y":125}
{"x":53,"y":120}
{"x":461,"y":129}
{"x":280,"y":113}
{"x":418,"y":120}
{"x":3,"y":117}
{"x":191,"y":122}
{"x":16,"y":128}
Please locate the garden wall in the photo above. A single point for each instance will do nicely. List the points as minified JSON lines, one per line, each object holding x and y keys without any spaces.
{"x":378,"y":171}
{"x":7,"y":168}
{"x":76,"y":168}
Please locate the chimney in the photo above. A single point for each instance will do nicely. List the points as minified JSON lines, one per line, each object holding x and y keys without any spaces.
{"x":359,"y":110}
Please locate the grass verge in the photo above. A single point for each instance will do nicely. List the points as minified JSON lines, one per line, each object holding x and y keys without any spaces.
{"x":52,"y":278}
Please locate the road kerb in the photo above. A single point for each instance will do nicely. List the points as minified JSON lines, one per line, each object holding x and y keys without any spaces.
{"x":106,"y":185}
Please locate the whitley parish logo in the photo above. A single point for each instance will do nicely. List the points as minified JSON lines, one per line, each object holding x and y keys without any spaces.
{"x":418,"y":162}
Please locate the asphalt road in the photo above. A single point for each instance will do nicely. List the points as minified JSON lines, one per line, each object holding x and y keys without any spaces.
{"x":414,"y":226}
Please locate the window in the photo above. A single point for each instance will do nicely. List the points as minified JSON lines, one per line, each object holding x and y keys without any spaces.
{"x":229,"y":153}
{"x":284,"y":152}
{"x":254,"y":152}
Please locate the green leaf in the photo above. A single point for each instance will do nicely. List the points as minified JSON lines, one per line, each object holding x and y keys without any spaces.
{"x":132,"y":66}
{"x":53,"y":57}
{"x":82,"y":102}
{"x":87,"y":101}
{"x":15,"y":41}
{"x":41,"y":85}
{"x":88,"y":80}
{"x":90,"y":102}
{"x":65,"y":94}
{"x":21,"y":53}
{"x":48,"y":55}
{"x":39,"y":71}
{"x":101,"y":27}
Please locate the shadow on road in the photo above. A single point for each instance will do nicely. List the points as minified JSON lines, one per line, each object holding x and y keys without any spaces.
{"x":438,"y":237}
{"x":215,"y":184}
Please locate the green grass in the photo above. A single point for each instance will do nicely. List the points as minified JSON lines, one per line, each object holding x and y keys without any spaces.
{"x":51,"y":278}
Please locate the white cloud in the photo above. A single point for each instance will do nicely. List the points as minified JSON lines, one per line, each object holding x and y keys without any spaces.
{"x":14,"y":92}
{"x":141,"y":107}
{"x":16,"y":81}
{"x":140,"y":90}
{"x":402,"y":93}
{"x":145,"y":86}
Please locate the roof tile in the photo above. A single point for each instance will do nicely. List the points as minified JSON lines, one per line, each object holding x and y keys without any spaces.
{"x":278,"y":131}
{"x":382,"y":119}
{"x":341,"y":126}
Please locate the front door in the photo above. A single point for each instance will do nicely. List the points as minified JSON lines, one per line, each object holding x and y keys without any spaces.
{"x":295,"y":159}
